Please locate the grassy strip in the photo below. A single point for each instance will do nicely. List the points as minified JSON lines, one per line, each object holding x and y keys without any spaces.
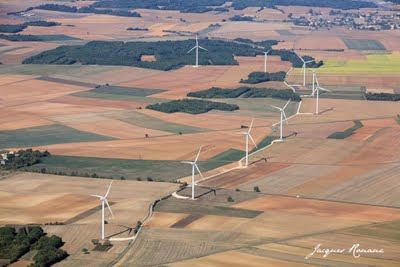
{"x":347,"y":132}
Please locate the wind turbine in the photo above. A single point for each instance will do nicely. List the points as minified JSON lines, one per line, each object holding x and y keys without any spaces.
{"x":304,"y":68}
{"x":282,"y":110}
{"x":316,"y":89}
{"x":197,"y":51}
{"x":104,"y":200}
{"x":265,"y":60}
{"x":248,"y":135}
{"x":194,"y":168}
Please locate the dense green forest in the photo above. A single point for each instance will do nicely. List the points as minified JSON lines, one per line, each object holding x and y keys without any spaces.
{"x":246,"y":92}
{"x":23,"y":158}
{"x":89,"y":9}
{"x":259,"y":77}
{"x":14,"y":243}
{"x":200,"y":6}
{"x":169,"y":54}
{"x":192,"y":106}
{"x":14,"y":28}
{"x":382,"y":97}
{"x":36,"y":38}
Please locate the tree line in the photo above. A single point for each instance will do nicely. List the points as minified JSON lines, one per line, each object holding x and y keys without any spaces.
{"x":382,"y":96}
{"x":259,"y":77}
{"x":14,"y":28}
{"x":88,"y":9}
{"x":246,"y":92}
{"x":191,"y":106}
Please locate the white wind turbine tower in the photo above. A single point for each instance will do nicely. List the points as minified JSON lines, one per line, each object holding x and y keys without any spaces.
{"x":194,"y":168}
{"x":197,"y":51}
{"x":248,"y":135}
{"x":304,"y":68}
{"x":316,"y":89}
{"x":283,"y":115}
{"x":265,"y":60}
{"x":104,"y":200}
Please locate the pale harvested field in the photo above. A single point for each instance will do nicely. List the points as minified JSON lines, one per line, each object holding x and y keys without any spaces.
{"x":7,"y":79}
{"x":165,"y":219}
{"x":318,"y":208}
{"x":217,"y":223}
{"x":29,"y":91}
{"x":45,"y":109}
{"x":370,"y":127}
{"x":309,"y":151}
{"x":213,"y":121}
{"x":20,"y":120}
{"x":177,"y":147}
{"x":260,"y":31}
{"x":340,"y":110}
{"x":41,"y":198}
{"x":22,"y":50}
{"x":88,"y":26}
{"x":236,"y":258}
{"x":380,"y":90}
{"x":97,"y":102}
{"x":319,"y":42}
{"x":96,"y":123}
{"x":236,"y":178}
{"x":317,"y":130}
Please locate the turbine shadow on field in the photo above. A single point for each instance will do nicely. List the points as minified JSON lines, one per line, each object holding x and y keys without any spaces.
{"x":85,"y":214}
{"x":326,"y":110}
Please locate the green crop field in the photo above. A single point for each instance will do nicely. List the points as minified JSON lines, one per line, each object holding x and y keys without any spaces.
{"x":167,"y":170}
{"x":154,"y":123}
{"x":46,"y":135}
{"x":176,"y":206}
{"x":363,"y":44}
{"x":373,"y":64}
{"x":123,"y":94}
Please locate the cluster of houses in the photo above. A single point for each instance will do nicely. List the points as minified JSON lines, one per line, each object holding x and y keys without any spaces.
{"x":4,"y":157}
{"x":355,"y":21}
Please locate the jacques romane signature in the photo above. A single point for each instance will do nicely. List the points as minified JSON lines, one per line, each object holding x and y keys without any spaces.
{"x":355,"y":250}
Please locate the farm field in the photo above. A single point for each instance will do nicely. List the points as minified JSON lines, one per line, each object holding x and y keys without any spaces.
{"x":333,"y":180}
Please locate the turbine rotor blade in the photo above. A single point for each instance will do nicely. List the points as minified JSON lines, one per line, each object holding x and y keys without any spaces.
{"x":323,"y":89}
{"x":198,"y":170}
{"x":276,"y":107}
{"x":198,"y":154}
{"x":284,"y":115}
{"x":97,"y":196}
{"x":108,"y":190}
{"x":202,"y":48}
{"x":194,"y":47}
{"x":309,"y":61}
{"x":287,"y":104}
{"x":299,"y":57}
{"x":251,"y":125}
{"x":252,"y":140}
{"x":187,"y":162}
{"x":108,"y":205}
